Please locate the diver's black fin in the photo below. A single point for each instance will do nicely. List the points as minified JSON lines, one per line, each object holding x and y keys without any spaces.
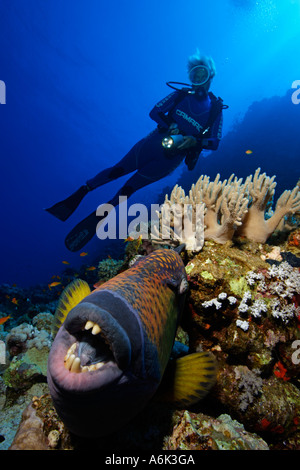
{"x":82,"y":233}
{"x":63,"y":209}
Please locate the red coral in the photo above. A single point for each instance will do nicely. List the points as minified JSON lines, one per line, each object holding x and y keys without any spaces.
{"x":264,"y":424}
{"x":278,"y":429}
{"x":280,"y":371}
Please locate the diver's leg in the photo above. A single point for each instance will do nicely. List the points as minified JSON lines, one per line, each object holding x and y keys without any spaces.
{"x":126,"y":165}
{"x":85,"y":230}
{"x":63,"y":209}
{"x":153,"y":171}
{"x":139,"y":157}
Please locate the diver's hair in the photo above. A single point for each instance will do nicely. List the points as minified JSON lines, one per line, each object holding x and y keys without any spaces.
{"x":198,"y":59}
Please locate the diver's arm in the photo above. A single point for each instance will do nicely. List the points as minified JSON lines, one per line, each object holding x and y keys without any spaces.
{"x":160,"y":110}
{"x":215,"y":135}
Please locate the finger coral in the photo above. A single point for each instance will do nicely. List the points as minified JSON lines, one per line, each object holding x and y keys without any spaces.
{"x":261,"y":190}
{"x":221,"y":210}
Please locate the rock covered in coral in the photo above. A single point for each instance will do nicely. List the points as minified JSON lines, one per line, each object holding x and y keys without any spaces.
{"x":27,"y":353}
{"x":11,"y":412}
{"x":196,"y":431}
{"x":108,"y":268}
{"x":247,"y":312}
{"x":25,"y":336}
{"x":30,"y":434}
{"x":263,"y":405}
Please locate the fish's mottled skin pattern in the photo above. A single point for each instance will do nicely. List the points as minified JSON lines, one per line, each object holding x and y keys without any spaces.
{"x":145,"y":288}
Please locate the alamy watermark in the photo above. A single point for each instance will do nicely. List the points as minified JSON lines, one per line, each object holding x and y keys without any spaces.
{"x":177,"y":221}
{"x":2,"y":353}
{"x":2,"y":92}
{"x":296,"y":94}
{"x":296,"y":354}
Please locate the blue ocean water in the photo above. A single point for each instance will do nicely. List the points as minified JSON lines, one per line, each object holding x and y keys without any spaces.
{"x":80,"y":79}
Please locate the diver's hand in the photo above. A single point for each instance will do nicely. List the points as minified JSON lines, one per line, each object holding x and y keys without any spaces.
{"x":173,"y":129}
{"x":188,"y":142}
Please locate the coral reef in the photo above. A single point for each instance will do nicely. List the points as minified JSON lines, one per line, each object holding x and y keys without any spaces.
{"x":200,"y":432}
{"x":108,"y":268}
{"x":247,"y":312}
{"x":261,"y":191}
{"x":26,"y":336}
{"x":243,"y":305}
{"x":30,"y":433}
{"x":23,"y":376}
{"x":230,"y":208}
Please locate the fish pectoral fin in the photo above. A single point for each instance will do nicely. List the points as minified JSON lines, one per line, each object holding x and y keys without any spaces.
{"x":181,"y":285}
{"x":180,"y":248}
{"x":74,"y":293}
{"x":188,"y":379}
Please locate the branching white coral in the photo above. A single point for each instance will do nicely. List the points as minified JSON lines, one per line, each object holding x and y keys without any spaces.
{"x":30,"y":336}
{"x":281,"y":282}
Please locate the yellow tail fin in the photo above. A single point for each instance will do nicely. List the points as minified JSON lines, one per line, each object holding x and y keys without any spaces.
{"x":70,"y":297}
{"x":189,"y":379}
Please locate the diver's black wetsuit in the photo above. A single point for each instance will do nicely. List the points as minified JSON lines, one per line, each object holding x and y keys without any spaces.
{"x":148,"y":156}
{"x":193,"y":113}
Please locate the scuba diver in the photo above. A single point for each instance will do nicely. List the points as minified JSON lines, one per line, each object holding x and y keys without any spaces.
{"x":188,"y":120}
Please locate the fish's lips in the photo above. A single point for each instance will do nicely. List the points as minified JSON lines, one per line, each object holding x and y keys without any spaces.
{"x":91,"y":350}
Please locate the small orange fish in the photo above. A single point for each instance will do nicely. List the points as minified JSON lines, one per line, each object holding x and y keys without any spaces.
{"x":65,"y":262}
{"x":91,"y":268}
{"x":248,"y":152}
{"x":83,"y":254}
{"x":53,"y":284}
{"x":15,"y":301}
{"x":98,"y":284}
{"x":4,"y":319}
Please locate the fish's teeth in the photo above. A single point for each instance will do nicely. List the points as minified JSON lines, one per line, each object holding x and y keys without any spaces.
{"x":89,"y":324}
{"x":96,"y":366}
{"x":96,"y":329}
{"x":69,"y":361}
{"x":99,"y":364}
{"x":76,"y":366}
{"x":73,"y":364}
{"x":70,"y":351}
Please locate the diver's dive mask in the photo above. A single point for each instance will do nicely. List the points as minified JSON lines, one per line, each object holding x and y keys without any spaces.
{"x":199,"y":75}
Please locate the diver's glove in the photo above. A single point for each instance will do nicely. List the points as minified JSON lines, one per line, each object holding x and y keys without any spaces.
{"x":173,"y":129}
{"x":191,"y":159}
